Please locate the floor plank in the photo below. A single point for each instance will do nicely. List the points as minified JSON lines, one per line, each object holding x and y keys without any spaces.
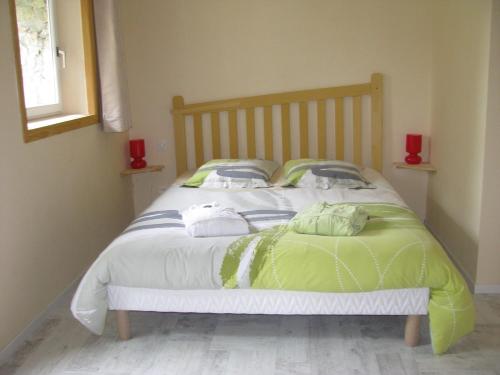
{"x":211,"y":344}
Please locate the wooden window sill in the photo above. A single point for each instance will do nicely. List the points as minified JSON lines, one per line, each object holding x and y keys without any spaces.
{"x":46,"y":127}
{"x":37,"y":123}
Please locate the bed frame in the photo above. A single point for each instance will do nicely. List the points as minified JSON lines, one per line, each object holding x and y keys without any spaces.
{"x":180,"y":301}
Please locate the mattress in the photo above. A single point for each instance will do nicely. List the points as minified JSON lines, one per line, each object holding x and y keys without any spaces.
{"x":412,"y":301}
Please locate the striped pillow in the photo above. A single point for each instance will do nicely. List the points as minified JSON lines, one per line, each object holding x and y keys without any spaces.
{"x":323,"y":174}
{"x":233,"y":174}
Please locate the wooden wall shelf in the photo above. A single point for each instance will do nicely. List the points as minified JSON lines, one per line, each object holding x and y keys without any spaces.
{"x":418,"y":167}
{"x":149,"y":168}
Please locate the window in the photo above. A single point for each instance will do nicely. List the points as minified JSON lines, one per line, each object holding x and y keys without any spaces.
{"x":56,"y":67}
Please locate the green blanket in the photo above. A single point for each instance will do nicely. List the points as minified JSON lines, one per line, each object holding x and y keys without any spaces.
{"x":393,"y":251}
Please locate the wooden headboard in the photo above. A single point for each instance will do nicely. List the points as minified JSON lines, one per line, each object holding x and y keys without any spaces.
{"x":372,"y":89}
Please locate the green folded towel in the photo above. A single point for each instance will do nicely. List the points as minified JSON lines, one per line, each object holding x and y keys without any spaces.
{"x":326,"y":219}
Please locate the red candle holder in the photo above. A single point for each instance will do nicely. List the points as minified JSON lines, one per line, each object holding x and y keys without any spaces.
{"x":413,"y":148}
{"x":137,"y":152}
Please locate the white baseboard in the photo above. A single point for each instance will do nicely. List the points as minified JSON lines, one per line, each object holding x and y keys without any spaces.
{"x":36,"y":323}
{"x":487,"y":289}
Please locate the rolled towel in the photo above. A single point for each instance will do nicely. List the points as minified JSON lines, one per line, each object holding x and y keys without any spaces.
{"x":211,"y":220}
{"x":341,"y":219}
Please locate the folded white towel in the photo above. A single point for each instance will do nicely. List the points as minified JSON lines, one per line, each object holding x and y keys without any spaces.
{"x":211,"y":220}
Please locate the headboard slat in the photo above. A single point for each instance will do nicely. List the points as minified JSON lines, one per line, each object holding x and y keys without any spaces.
{"x":356,"y":133}
{"x":373,"y":89}
{"x":285,"y":132}
{"x":321,"y":108}
{"x":376,"y":94}
{"x":233,"y":135}
{"x":268,"y":132}
{"x":214,"y":124}
{"x":339,"y":128}
{"x":198,"y":139}
{"x":251,"y":146}
{"x":304,"y":130}
{"x":180,"y":135}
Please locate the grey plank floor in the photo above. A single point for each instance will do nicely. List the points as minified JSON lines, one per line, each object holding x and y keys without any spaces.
{"x":209,"y":344}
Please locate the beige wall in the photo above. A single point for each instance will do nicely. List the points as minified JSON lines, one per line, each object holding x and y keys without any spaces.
{"x":488,"y":268}
{"x":225,"y":48}
{"x":459,"y":91}
{"x":61,"y":201}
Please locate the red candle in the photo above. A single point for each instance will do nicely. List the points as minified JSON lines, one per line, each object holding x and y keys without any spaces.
{"x":137,"y":152}
{"x":413,"y":148}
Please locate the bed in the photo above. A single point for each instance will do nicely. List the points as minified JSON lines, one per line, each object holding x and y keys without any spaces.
{"x":155,"y":266}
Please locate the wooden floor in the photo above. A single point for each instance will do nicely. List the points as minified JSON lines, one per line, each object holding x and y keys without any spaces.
{"x":235,"y":344}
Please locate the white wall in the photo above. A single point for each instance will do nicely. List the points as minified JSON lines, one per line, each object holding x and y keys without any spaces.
{"x":61,"y":201}
{"x":461,"y":35}
{"x":207,"y":50}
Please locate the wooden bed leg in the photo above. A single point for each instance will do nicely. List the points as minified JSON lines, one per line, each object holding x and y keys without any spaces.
{"x":412,"y":330}
{"x":123,"y":324}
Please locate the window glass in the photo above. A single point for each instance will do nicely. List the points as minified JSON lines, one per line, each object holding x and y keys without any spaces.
{"x":37,"y":49}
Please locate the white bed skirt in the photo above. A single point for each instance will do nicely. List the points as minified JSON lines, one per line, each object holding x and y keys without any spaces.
{"x":253,"y":301}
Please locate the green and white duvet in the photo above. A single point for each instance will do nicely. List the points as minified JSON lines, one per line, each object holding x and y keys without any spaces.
{"x":393,"y":251}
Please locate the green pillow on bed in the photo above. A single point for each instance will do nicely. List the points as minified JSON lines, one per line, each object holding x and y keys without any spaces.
{"x":327,"y":219}
{"x":233,"y":173}
{"x":323,"y":174}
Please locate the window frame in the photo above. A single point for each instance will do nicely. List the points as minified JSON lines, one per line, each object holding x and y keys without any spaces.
{"x":89,"y":50}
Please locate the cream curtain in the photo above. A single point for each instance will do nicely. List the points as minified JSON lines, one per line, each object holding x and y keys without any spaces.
{"x":111,"y":65}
